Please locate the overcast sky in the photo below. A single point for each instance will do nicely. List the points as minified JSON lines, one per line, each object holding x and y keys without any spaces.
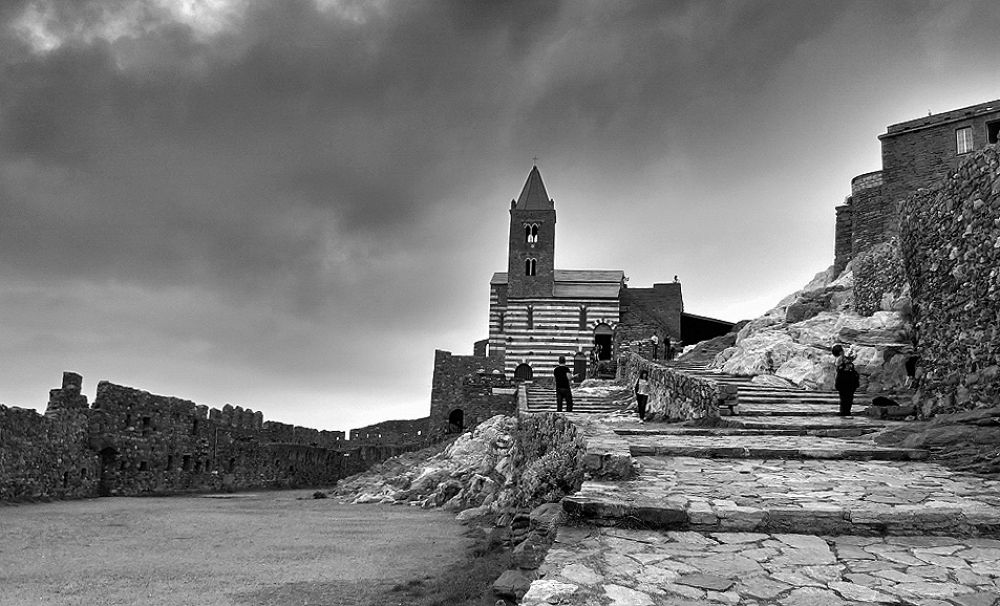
{"x":288,"y":205}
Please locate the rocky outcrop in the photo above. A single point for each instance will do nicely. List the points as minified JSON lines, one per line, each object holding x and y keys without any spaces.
{"x":790,"y":344}
{"x":505,"y":464}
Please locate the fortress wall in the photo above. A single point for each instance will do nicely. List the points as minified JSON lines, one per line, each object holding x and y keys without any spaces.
{"x":132,"y":442}
{"x":467,"y":383}
{"x":45,"y":456}
{"x":950,"y":240}
{"x":392,"y":432}
{"x":869,"y":213}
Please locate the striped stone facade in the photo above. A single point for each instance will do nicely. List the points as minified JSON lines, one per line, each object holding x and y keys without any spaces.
{"x":536,"y":331}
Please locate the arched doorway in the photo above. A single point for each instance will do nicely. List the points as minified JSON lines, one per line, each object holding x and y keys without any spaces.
{"x":522,"y":373}
{"x":456,"y":421}
{"x":603,"y":341}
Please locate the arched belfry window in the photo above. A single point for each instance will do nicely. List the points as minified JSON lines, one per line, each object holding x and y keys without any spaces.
{"x":529,"y":267}
{"x":531,"y":233}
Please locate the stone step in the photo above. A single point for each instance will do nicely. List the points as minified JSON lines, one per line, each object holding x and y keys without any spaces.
{"x":807,"y":424}
{"x":764,"y":446}
{"x":810,"y":496}
{"x":787,"y":409}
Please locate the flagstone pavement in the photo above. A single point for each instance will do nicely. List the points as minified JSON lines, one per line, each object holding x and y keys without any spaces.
{"x":769,"y":516}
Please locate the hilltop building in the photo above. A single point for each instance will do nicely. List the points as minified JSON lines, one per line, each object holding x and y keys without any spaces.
{"x":915,"y":154}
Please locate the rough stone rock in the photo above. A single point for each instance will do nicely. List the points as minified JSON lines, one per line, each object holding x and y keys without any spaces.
{"x":772,"y":380}
{"x":512,"y":584}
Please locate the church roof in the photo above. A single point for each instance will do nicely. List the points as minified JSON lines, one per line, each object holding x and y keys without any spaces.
{"x":581,"y":283}
{"x":534,"y":196}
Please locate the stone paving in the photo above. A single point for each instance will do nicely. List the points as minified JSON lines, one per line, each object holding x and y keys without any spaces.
{"x":621,"y":567}
{"x":791,"y":506}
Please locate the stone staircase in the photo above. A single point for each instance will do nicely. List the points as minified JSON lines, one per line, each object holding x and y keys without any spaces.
{"x":589,"y":400}
{"x":785,"y":463}
{"x":783,"y":504}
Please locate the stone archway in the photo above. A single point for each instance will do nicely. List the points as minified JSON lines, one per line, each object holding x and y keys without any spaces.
{"x":523,"y":372}
{"x":603,"y":339}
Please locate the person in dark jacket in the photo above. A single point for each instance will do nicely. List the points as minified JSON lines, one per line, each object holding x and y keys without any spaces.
{"x":564,"y":389}
{"x":846,"y":382}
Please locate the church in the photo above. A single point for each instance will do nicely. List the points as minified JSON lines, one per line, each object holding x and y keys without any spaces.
{"x":539,"y":313}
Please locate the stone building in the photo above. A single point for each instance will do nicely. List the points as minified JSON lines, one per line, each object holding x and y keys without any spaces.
{"x":538,"y":312}
{"x":915,"y":154}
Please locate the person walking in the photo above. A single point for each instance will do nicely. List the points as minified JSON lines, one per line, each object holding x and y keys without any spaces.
{"x":642,"y":393}
{"x":847,"y":380}
{"x":564,"y":389}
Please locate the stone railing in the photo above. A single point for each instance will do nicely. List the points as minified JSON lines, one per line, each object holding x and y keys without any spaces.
{"x":678,"y":395}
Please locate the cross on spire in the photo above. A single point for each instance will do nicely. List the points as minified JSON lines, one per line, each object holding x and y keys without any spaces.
{"x":535,"y":160}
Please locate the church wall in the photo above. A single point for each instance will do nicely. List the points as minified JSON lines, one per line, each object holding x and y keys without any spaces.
{"x":646,"y":311}
{"x":555,"y":331}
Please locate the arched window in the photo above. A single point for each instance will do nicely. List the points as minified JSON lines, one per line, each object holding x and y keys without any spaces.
{"x":529,"y":267}
{"x":527,"y":233}
{"x":583,"y":317}
{"x":534,"y":232}
{"x":531,"y":317}
{"x":500,"y":322}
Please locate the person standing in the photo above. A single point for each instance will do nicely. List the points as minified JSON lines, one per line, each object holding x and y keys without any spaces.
{"x":642,"y":393}
{"x":564,"y":390}
{"x":847,"y":380}
{"x":656,"y":345}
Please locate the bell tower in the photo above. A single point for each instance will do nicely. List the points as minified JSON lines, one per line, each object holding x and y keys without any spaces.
{"x":532,"y":243}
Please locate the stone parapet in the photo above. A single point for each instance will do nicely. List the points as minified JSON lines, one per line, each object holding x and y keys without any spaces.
{"x":679,"y":396}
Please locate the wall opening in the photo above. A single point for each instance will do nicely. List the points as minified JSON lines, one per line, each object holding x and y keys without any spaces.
{"x":602,"y":341}
{"x":992,"y":131}
{"x":456,"y":421}
{"x":522,"y":373}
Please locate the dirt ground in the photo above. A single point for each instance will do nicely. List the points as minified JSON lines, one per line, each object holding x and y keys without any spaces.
{"x":265,"y":549}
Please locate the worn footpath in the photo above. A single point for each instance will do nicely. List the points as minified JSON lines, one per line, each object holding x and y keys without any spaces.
{"x":782,"y":508}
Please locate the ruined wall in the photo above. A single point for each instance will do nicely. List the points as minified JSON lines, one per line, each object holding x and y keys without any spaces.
{"x":45,"y":455}
{"x":679,"y":396}
{"x":950,"y":240}
{"x":392,"y":432}
{"x":132,"y":442}
{"x":843,"y":237}
{"x":472,"y":386}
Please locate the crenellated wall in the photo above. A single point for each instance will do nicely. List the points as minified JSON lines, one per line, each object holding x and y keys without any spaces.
{"x":132,"y":442}
{"x":470,"y":389}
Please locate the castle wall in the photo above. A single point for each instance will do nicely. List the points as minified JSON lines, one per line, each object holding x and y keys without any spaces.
{"x":131,"y":442}
{"x":474,"y":385}
{"x":392,"y":432}
{"x":870,"y":213}
{"x":950,"y":241}
{"x":843,"y":237}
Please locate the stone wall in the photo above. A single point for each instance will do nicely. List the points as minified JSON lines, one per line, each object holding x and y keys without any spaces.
{"x":472,"y":388}
{"x":879,"y":278}
{"x":645,"y":311}
{"x":843,"y":237}
{"x":392,"y":432}
{"x":869,"y":212}
{"x":950,"y":239}
{"x":675,"y":394}
{"x":132,"y":442}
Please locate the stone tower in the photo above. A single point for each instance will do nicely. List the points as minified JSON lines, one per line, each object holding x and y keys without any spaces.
{"x":532,"y":245}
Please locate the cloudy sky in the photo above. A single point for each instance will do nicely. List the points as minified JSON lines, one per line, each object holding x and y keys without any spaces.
{"x":288,"y":205}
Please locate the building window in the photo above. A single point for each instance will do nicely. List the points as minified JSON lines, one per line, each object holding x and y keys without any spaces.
{"x":531,"y":317}
{"x":583,"y":317}
{"x":963,"y":140}
{"x":992,"y":132}
{"x":500,"y":322}
{"x":531,"y":233}
{"x":529,"y":267}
